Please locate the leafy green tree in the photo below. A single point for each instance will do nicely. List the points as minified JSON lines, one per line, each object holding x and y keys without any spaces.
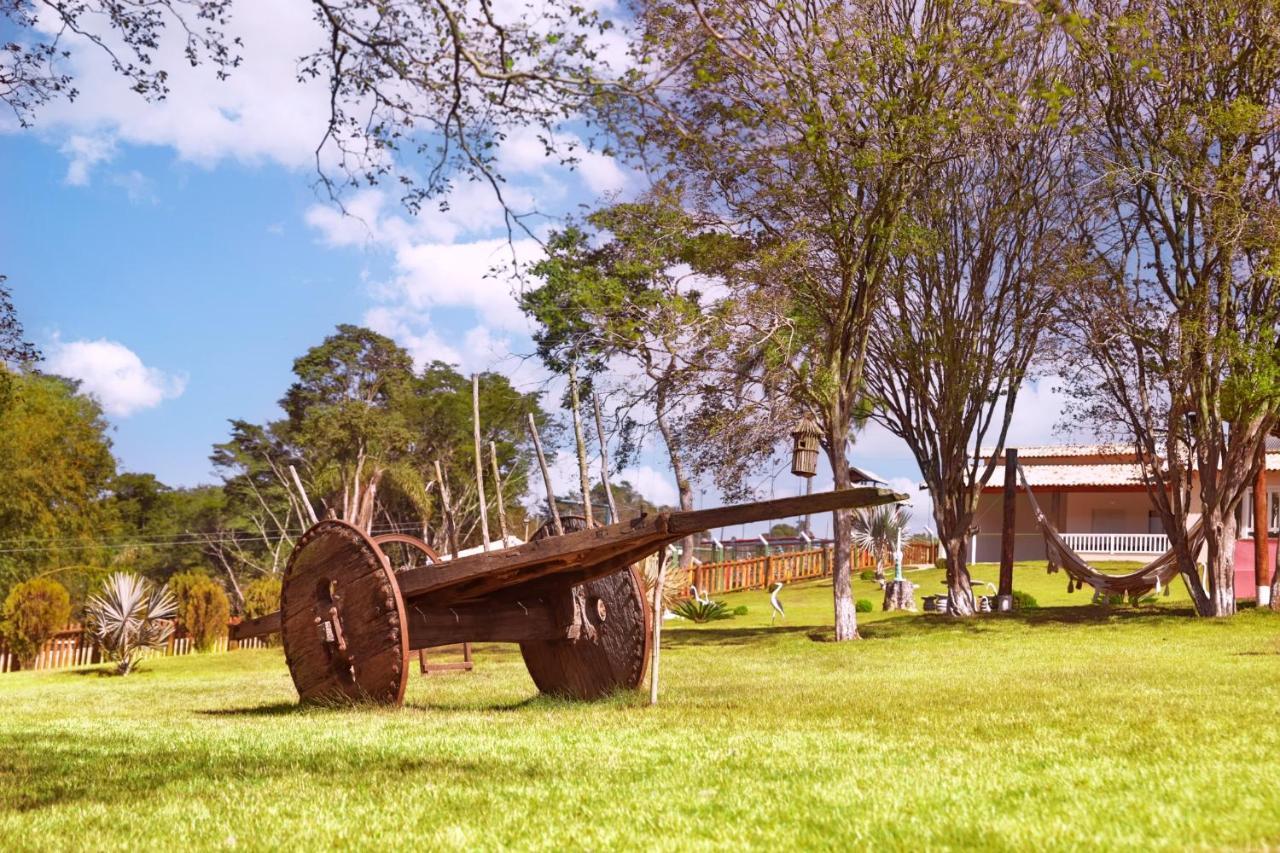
{"x":800,"y":130}
{"x":34,"y":611}
{"x":622,"y":298}
{"x":15,"y":350}
{"x":1171,"y":323}
{"x":345,"y":414}
{"x":56,"y":465}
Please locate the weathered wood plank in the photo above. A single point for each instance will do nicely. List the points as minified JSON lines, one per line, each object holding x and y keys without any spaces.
{"x":482,"y":622}
{"x":726,"y":516}
{"x":551,"y":554}
{"x":260,"y":627}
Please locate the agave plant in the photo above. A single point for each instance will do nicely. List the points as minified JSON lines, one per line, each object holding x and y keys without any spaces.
{"x":876,"y":531}
{"x":702,"y":610}
{"x":130,"y":616}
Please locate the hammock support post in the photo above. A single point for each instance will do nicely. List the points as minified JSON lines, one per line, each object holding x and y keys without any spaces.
{"x":1261,"y":521}
{"x":1004,"y":596}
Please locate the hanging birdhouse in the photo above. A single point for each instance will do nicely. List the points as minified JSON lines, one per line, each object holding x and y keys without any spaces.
{"x":804,"y":448}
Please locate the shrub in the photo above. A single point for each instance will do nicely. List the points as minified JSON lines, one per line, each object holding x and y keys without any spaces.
{"x":867,"y":574}
{"x":740,"y":610}
{"x":863,"y":605}
{"x":130,"y":616}
{"x":940,"y":564}
{"x":1024,"y":600}
{"x":702,"y":611}
{"x":261,"y":596}
{"x":33,"y":612}
{"x":203,"y":609}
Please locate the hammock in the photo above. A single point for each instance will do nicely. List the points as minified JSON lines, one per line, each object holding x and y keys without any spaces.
{"x":1153,"y":576}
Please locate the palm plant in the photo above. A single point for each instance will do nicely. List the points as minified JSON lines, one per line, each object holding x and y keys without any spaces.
{"x":674,"y":583}
{"x":876,"y":531}
{"x":130,"y":616}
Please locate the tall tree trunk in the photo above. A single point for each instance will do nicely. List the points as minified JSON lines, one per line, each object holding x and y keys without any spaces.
{"x":684,"y":489}
{"x":1275,"y":581}
{"x":959,"y":589}
{"x":953,"y":531}
{"x":604,"y":460}
{"x":1220,"y":559}
{"x":584,"y":479}
{"x":846,"y":615}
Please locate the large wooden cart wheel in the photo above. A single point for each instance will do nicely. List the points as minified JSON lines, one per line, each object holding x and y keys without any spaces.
{"x":403,"y":558}
{"x":612,"y":656}
{"x":342,"y":619}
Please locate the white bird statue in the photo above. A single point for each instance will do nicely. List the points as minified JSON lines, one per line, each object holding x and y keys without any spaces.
{"x":777,"y":605}
{"x":700,"y":597}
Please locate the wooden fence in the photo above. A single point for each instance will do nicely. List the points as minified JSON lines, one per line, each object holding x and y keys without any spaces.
{"x":73,"y":647}
{"x":764,"y":571}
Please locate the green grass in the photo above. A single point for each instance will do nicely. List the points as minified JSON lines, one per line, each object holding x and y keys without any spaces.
{"x":1074,"y":727}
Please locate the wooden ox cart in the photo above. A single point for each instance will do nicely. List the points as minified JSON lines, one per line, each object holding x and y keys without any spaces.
{"x":573,"y":602}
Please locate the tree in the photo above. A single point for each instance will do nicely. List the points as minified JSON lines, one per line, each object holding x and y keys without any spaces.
{"x":15,"y":350}
{"x":56,"y":465}
{"x":344,"y":412}
{"x":970,"y":286}
{"x":801,"y":130}
{"x":623,"y":300}
{"x":127,"y":31}
{"x":1172,"y":321}
{"x":34,"y":611}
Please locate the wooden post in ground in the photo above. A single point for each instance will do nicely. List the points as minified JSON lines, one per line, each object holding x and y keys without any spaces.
{"x":302,"y":493}
{"x":546,"y":476}
{"x":1004,"y":600}
{"x":604,"y":461}
{"x":657,"y":625}
{"x":475,"y":431}
{"x":1261,"y":521}
{"x":580,"y":440}
{"x":450,"y":532}
{"x":497,"y":485}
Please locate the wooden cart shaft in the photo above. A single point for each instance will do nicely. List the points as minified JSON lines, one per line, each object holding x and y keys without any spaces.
{"x":513,"y":595}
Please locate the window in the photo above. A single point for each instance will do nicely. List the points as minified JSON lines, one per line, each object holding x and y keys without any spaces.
{"x":1245,"y":513}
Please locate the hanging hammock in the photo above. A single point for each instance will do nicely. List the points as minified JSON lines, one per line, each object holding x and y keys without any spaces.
{"x":1153,"y":576}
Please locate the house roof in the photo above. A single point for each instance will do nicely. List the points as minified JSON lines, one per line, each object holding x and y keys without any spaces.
{"x":1102,"y":474}
{"x":1054,"y":451}
{"x":1095,"y":474}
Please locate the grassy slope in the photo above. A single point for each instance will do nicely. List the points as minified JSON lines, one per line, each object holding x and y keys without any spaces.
{"x":1063,"y":728}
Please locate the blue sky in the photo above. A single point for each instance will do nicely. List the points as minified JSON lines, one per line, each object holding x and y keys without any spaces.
{"x":176,"y":258}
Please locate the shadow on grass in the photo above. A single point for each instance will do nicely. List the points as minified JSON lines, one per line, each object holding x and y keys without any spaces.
{"x":677,"y":637}
{"x":930,"y":623}
{"x":274,"y":709}
{"x":101,"y":670}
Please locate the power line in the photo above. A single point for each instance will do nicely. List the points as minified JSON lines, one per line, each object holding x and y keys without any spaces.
{"x":204,"y":539}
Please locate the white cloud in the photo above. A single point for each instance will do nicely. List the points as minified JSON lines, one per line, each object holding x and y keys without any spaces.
{"x":657,"y":486}
{"x":115,"y":375}
{"x":84,"y":151}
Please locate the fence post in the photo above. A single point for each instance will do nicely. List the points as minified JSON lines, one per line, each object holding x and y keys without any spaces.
{"x":768,"y":571}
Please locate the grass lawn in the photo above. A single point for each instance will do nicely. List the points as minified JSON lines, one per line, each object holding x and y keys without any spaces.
{"x":1064,"y":727}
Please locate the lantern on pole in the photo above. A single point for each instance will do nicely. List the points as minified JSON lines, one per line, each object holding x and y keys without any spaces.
{"x":804,"y":449}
